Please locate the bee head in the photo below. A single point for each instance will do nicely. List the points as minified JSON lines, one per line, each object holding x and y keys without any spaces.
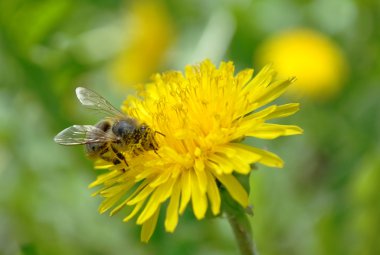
{"x":124,"y":128}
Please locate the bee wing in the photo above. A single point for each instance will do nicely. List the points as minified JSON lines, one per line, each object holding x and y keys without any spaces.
{"x":83,"y":134}
{"x":92,"y":100}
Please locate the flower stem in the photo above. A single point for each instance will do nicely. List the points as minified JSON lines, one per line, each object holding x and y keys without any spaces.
{"x":242,"y":231}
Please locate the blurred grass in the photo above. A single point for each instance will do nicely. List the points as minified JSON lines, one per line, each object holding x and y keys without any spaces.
{"x":325,"y":200}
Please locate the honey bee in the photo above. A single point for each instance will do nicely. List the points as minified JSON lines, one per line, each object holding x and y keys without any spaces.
{"x":112,"y":135}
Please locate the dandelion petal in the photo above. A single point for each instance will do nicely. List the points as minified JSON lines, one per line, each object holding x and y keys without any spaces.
{"x":185,"y":191}
{"x":272,"y":131}
{"x":213,"y":194}
{"x":148,"y":227}
{"x":235,"y":189}
{"x":199,"y":200}
{"x":171,"y":220}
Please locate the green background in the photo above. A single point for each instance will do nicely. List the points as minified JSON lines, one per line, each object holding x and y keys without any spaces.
{"x":324,"y":201}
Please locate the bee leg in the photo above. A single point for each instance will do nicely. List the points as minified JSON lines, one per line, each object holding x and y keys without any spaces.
{"x":138,"y":150}
{"x":119,"y":155}
{"x":155,"y":151}
{"x":107,"y":158}
{"x":116,"y":161}
{"x":154,"y":145}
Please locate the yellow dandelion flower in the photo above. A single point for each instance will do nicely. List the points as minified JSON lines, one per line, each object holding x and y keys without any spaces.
{"x":201,"y":116}
{"x":313,"y":58}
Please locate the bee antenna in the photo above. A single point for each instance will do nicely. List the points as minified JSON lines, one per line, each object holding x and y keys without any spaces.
{"x":156,"y":132}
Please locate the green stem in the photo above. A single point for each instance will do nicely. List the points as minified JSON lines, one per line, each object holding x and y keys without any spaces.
{"x":242,"y":231}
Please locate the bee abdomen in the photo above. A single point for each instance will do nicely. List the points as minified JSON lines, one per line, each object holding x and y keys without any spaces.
{"x":95,"y":148}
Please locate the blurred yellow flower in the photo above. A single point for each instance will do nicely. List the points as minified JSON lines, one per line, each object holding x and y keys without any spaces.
{"x":150,"y":33}
{"x":202,"y":115}
{"x":313,"y":58}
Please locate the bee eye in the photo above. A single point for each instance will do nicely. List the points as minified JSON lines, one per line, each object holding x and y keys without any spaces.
{"x":144,"y":127}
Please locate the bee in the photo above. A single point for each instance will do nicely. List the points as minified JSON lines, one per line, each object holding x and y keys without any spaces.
{"x":110,"y":136}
